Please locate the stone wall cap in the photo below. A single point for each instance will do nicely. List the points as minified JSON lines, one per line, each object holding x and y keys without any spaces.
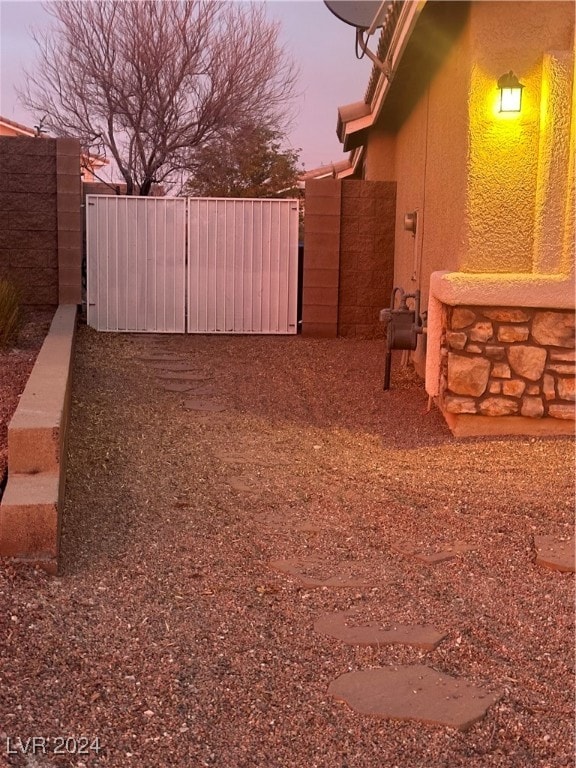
{"x":504,"y":289}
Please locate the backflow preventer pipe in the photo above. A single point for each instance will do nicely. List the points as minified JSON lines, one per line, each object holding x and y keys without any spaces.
{"x":404,"y":326}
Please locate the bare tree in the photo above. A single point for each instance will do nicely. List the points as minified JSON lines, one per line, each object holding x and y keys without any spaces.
{"x":149,"y":82}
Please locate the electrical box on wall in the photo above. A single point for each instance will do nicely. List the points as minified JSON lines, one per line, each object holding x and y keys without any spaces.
{"x":411,"y":222}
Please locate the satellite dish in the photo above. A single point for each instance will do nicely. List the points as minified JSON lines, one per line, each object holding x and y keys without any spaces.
{"x":362,"y":14}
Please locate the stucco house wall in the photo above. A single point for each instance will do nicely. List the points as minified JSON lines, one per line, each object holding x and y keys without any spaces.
{"x":494,"y":194}
{"x":429,"y":150}
{"x":473,"y":175}
{"x":506,"y":188}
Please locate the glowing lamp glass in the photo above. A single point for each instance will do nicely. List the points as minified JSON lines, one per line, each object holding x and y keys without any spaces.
{"x":510,"y":93}
{"x":510,"y":100}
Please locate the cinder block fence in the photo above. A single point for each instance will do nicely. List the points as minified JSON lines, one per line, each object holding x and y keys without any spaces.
{"x":348,"y":256}
{"x":40,"y":219}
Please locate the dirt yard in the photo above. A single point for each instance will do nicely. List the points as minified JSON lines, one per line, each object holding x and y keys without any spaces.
{"x":170,"y":640}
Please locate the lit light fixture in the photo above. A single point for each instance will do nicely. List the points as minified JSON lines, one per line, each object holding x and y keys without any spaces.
{"x":510,"y":93}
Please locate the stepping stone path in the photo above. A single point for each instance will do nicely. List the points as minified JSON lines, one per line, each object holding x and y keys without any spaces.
{"x":177,"y":375}
{"x":241,"y":484}
{"x":346,"y":626}
{"x":176,"y":386}
{"x":246,"y":458}
{"x":206,"y":406}
{"x":413,"y":692}
{"x":202,"y":391}
{"x":161,"y":358}
{"x":167,"y":365}
{"x":183,"y":375}
{"x":433,"y":557}
{"x":279,"y":524}
{"x":555,"y":553}
{"x":318,"y":573}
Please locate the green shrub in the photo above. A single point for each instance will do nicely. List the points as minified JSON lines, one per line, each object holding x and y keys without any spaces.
{"x":10,"y":313}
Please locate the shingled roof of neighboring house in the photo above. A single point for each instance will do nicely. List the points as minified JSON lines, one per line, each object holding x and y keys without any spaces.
{"x":18,"y":128}
{"x":87,"y":161}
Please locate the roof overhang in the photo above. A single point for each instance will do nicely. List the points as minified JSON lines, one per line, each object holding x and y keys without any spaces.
{"x":94,"y":161}
{"x":355,"y":120}
{"x":353,"y":164}
{"x":331,"y":171}
{"x":18,"y":128}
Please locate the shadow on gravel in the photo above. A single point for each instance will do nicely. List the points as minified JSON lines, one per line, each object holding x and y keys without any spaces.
{"x":129,"y":438}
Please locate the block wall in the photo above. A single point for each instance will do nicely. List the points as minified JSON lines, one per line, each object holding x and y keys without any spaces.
{"x":69,"y":218}
{"x":40,"y":218}
{"x":348,"y":256}
{"x":366,"y":256}
{"x":321,"y":257}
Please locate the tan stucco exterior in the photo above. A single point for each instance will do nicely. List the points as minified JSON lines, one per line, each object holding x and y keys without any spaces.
{"x":429,"y":150}
{"x":491,"y":191}
{"x":494,"y":193}
{"x":510,"y":184}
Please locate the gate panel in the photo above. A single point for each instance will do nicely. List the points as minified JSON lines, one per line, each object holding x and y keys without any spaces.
{"x":136,"y":256}
{"x":242,"y":265}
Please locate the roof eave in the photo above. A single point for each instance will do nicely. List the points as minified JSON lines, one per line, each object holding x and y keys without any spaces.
{"x":353,"y":130}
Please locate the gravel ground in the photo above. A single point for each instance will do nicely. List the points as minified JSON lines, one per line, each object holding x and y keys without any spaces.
{"x":170,"y":639}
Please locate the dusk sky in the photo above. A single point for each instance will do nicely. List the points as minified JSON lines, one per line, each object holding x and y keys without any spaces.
{"x":321,"y":44}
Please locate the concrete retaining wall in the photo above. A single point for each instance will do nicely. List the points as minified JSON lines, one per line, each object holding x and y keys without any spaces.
{"x":31,"y":508}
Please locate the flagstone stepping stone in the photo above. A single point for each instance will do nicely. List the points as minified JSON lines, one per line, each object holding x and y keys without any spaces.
{"x":307,"y":526}
{"x":430,"y":557}
{"x":240,"y":484}
{"x":555,"y":553}
{"x":313,"y":572}
{"x":351,"y":630}
{"x":175,"y":366}
{"x":206,"y":406}
{"x":413,"y":692}
{"x":196,"y":388}
{"x":201,"y":391}
{"x":176,"y":386}
{"x":183,"y":375}
{"x":245,"y":458}
{"x":283,"y":524}
{"x":161,"y":358}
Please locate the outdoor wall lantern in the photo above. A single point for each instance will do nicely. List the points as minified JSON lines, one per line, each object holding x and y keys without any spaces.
{"x":510,"y":93}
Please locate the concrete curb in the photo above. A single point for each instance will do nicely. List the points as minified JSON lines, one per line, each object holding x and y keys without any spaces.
{"x":30,"y":511}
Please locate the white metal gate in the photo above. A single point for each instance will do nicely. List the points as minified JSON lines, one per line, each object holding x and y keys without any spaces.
{"x":238,"y":274}
{"x":242,"y":265}
{"x":136,"y":263}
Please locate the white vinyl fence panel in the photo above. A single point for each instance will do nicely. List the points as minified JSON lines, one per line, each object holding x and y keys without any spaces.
{"x":242,"y":266}
{"x":136,"y":263}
